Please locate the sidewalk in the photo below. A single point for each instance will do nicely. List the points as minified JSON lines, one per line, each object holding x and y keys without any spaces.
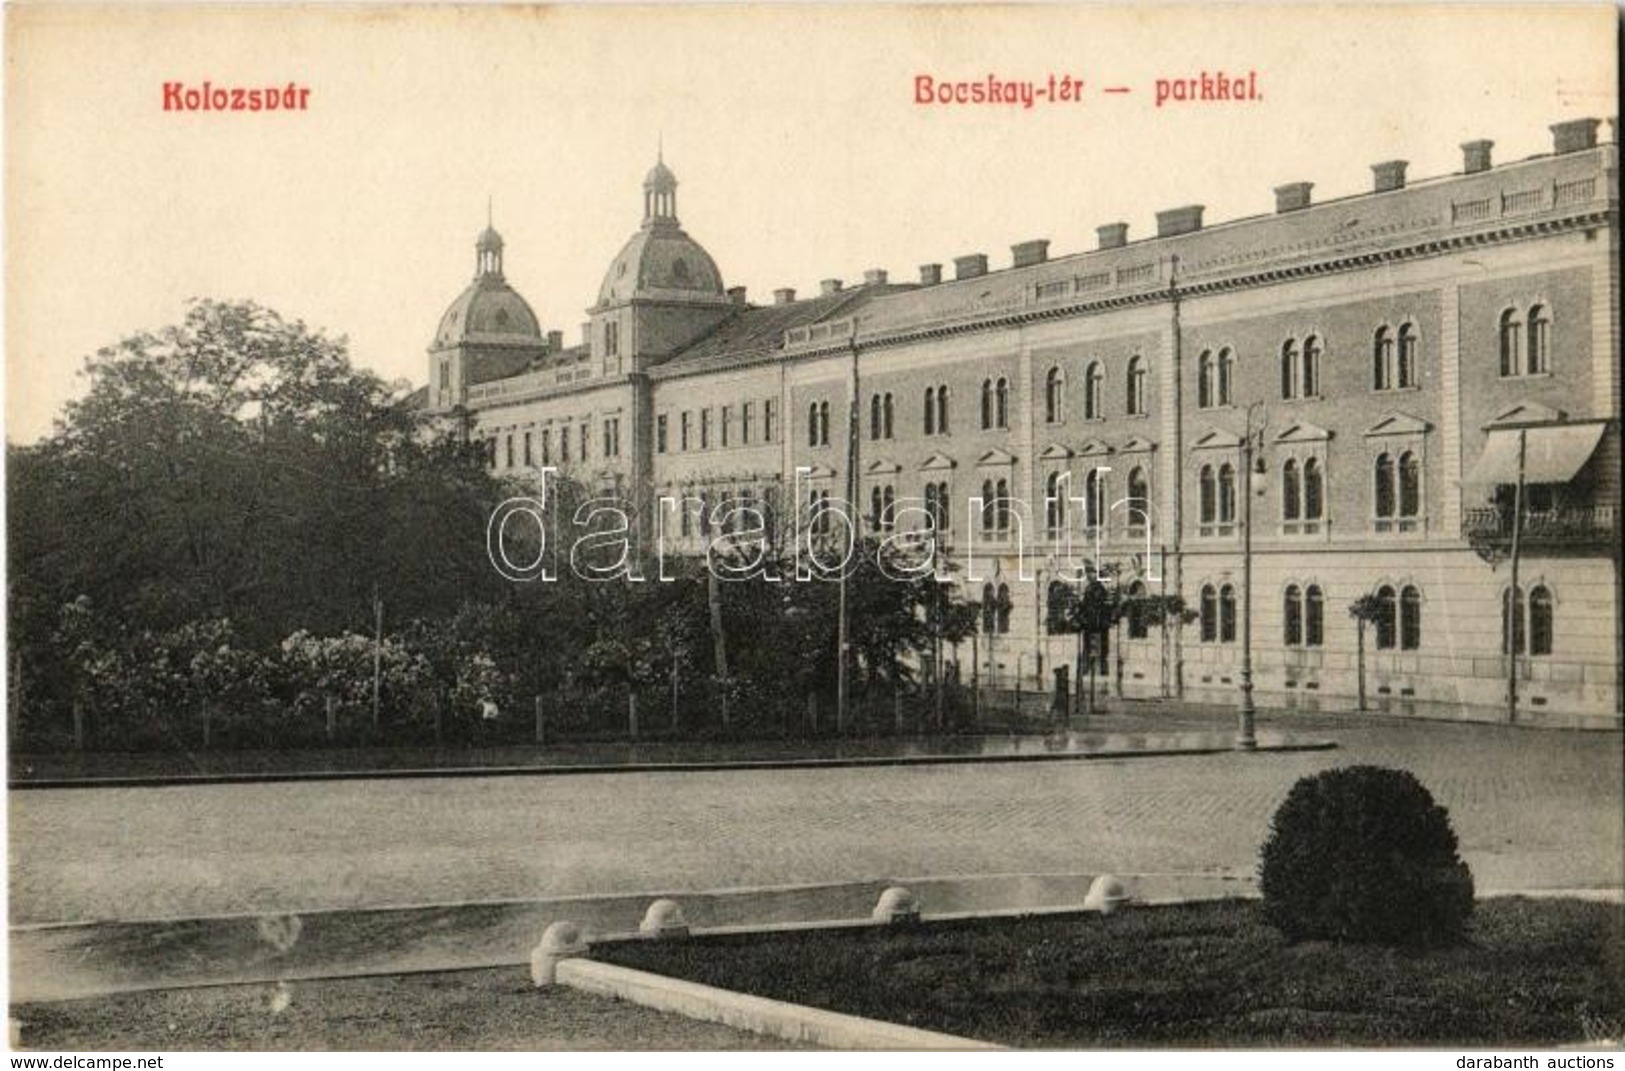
{"x":1124,"y":728}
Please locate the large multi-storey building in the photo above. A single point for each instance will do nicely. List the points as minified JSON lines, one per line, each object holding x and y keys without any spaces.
{"x":1376,"y":372}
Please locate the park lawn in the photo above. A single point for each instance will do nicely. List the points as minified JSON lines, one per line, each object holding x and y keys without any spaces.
{"x":1539,"y":972}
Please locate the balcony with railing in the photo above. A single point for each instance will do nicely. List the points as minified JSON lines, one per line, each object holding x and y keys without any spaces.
{"x":1490,"y":527}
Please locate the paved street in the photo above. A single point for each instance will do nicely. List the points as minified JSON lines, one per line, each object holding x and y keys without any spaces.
{"x":1532,"y":809}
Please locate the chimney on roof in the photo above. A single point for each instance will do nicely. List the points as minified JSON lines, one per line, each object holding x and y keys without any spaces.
{"x":930,"y":274}
{"x":829,"y":286}
{"x":1112,"y":235}
{"x":1179,"y":221}
{"x":1292,"y":196}
{"x":736,"y":294}
{"x":1574,"y":135}
{"x":874,"y":277}
{"x":555,"y":341}
{"x":1475,"y":156}
{"x":1388,"y":175}
{"x":783,"y":296}
{"x":1026,"y":254}
{"x":969,"y":267}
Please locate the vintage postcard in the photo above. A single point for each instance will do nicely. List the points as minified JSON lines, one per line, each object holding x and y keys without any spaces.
{"x":774,"y":526}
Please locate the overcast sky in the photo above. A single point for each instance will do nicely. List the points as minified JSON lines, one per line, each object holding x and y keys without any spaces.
{"x":793,"y":132}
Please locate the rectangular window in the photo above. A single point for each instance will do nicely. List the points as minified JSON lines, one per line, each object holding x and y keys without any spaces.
{"x":564,"y":444}
{"x":509,"y":451}
{"x":584,"y":432}
{"x":528,"y":461}
{"x":547,"y":446}
{"x":660,"y":434}
{"x":685,"y":421}
{"x":727,"y":422}
{"x":612,"y":437}
{"x":705,"y":429}
{"x":770,"y":421}
{"x":744,"y":423}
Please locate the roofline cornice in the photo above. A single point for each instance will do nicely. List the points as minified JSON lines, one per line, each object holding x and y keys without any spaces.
{"x":1176,"y":290}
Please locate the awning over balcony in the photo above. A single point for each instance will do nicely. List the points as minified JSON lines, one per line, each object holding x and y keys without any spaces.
{"x":1552,"y":454}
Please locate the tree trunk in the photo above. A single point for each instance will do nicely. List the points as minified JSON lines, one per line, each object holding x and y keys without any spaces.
{"x":1359,"y":657}
{"x":332,"y":717}
{"x":78,"y":725}
{"x":541,"y":722}
{"x":632,"y":710}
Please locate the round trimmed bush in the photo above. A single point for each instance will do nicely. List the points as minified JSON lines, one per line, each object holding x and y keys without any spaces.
{"x":1363,"y":854}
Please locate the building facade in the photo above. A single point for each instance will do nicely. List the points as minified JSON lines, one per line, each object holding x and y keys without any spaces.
{"x":1415,"y":390}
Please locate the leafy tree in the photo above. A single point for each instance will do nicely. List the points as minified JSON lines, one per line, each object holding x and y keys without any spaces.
{"x":236,"y":467}
{"x":1366,"y":610}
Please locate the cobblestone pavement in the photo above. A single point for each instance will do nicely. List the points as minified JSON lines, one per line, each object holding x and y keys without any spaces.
{"x":1532,"y":809}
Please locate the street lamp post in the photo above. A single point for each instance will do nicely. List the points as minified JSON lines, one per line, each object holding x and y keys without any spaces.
{"x":1246,"y":736}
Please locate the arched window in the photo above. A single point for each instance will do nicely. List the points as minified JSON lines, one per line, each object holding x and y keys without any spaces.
{"x":936,"y":506}
{"x":1094,"y":499}
{"x":942,"y":409}
{"x":886,"y":410}
{"x":1540,"y":621}
{"x":1094,"y":378}
{"x":1290,"y":386}
{"x":1410,"y":619}
{"x":874,"y":417}
{"x":823,"y":424}
{"x":1408,"y":370}
{"x":930,"y":410}
{"x":812,"y":424}
{"x":1540,"y":329}
{"x":1002,"y":605}
{"x":1054,"y":503}
{"x":1138,"y":625}
{"x":1311,"y":367}
{"x":1210,"y":614}
{"x":888,"y":507}
{"x":990,"y":609}
{"x":1208,"y":496}
{"x":1410,"y":485}
{"x":1227,"y":494}
{"x":1003,"y":505}
{"x":990,"y":506}
{"x":875,"y":509}
{"x":1054,"y":386}
{"x":1139,"y":501}
{"x":1511,"y":343}
{"x":1206,"y":381}
{"x":1314,"y":618}
{"x":987,"y":404}
{"x":1055,"y":597}
{"x":1227,"y":375}
{"x":1001,"y":403}
{"x":1292,"y":616}
{"x":1385,"y":618}
{"x":1289,"y":490}
{"x":1314,"y":496}
{"x":1136,"y":386}
{"x":1382,"y":360}
{"x":1227,"y":614}
{"x":1383,"y":488}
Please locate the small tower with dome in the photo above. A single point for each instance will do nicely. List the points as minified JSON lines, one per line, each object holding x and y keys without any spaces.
{"x":488,"y":333}
{"x":661,"y":291}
